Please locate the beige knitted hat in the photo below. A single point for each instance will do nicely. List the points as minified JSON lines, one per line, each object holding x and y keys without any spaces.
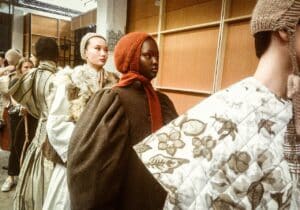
{"x":13,"y":56}
{"x":84,"y":41}
{"x":274,"y":15}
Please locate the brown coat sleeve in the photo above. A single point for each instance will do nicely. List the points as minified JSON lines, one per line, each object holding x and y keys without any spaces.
{"x":97,"y":153}
{"x":167,"y":108}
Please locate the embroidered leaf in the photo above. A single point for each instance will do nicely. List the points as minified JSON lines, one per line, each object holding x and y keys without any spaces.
{"x":193,"y":127}
{"x":141,"y":148}
{"x":255,"y":193}
{"x":165,"y":164}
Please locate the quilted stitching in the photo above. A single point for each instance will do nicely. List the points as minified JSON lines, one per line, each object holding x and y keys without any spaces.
{"x":236,"y":162}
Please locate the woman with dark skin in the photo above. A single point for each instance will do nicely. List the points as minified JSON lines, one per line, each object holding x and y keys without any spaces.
{"x":103,"y":170}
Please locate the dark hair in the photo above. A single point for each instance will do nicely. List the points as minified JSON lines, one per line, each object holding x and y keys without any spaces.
{"x":262,"y":42}
{"x":46,"y":49}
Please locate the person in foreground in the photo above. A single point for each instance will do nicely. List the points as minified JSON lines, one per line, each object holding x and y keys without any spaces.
{"x":238,"y":148}
{"x":34,"y":91}
{"x":103,"y":170}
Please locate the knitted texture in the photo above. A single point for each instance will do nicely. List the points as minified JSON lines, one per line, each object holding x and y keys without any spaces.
{"x":84,"y":41}
{"x":128,"y":50}
{"x":127,"y":60}
{"x":13,"y":56}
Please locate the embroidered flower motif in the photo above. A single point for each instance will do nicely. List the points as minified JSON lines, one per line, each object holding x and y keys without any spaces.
{"x":170,"y":143}
{"x":239,"y":162}
{"x":228,"y":128}
{"x":203,"y":147}
{"x":267,"y":125}
{"x":225,"y":202}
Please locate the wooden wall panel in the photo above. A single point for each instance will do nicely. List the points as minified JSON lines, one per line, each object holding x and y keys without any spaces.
{"x":183,"y":102}
{"x":86,"y":20}
{"x":64,"y":29}
{"x":142,"y":16}
{"x":94,"y":16}
{"x":241,"y":7}
{"x":179,"y":4}
{"x":189,"y":59}
{"x":240,"y":60}
{"x":190,"y":14}
{"x":26,"y":44}
{"x":75,"y":23}
{"x":148,"y":25}
{"x":44,"y":25}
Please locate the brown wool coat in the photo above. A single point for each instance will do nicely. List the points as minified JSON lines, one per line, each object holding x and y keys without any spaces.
{"x":103,"y":170}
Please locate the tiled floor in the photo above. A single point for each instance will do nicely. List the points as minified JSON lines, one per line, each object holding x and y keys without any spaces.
{"x":7,"y":197}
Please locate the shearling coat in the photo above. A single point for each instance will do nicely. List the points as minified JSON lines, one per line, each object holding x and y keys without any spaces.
{"x":103,"y":170}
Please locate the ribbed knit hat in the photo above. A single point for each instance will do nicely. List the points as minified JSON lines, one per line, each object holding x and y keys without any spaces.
{"x":275,"y":15}
{"x":128,"y":50}
{"x":84,"y":41}
{"x":13,"y":56}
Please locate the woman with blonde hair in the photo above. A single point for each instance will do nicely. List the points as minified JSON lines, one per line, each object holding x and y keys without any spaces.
{"x":17,"y":117}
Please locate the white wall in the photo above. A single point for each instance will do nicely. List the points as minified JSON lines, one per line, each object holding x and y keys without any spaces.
{"x":17,"y":30}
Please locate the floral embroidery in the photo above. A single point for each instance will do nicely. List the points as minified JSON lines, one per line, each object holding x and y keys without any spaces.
{"x":193,"y":127}
{"x":203,"y":147}
{"x":170,"y":143}
{"x":172,"y":195}
{"x":225,"y":202}
{"x":228,"y":128}
{"x":255,"y":194}
{"x":239,"y":162}
{"x":141,"y":148}
{"x":278,"y":197}
{"x":165,"y":164}
{"x":267,"y":125}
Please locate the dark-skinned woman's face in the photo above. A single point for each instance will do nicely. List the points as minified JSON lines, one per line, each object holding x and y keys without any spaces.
{"x":149,"y":59}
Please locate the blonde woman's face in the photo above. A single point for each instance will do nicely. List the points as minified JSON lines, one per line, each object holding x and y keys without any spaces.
{"x":26,"y":67}
{"x":96,"y":52}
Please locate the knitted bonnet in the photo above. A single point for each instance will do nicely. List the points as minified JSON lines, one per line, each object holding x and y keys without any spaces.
{"x":128,"y":50}
{"x":84,"y":41}
{"x":275,"y":15}
{"x":13,"y":56}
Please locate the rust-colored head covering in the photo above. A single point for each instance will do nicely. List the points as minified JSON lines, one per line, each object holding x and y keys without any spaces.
{"x":275,"y":15}
{"x":128,"y":50}
{"x":127,"y":60}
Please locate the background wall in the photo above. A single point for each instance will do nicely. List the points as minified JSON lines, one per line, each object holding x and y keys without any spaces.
{"x":205,"y":45}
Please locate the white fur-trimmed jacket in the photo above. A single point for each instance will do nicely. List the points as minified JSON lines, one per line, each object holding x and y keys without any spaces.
{"x":74,"y":87}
